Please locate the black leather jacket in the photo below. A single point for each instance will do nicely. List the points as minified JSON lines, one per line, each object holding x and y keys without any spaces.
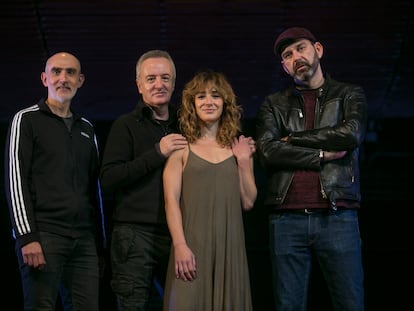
{"x":340,"y":124}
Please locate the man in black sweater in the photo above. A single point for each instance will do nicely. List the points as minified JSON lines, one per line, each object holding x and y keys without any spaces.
{"x":136,"y":149}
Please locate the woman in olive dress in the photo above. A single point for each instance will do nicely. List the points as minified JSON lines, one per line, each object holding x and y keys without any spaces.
{"x":207,"y":187}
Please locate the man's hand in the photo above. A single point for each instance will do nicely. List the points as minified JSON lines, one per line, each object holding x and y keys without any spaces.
{"x":172,"y":142}
{"x":333,"y":155}
{"x":32,"y":254}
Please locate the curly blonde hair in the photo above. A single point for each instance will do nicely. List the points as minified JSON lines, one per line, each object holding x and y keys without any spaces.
{"x":190,"y":124}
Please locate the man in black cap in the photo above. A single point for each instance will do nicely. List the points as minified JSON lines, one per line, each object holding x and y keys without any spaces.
{"x":308,"y":139}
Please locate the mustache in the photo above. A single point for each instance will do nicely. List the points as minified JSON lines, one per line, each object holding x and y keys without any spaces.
{"x":63,"y":86}
{"x":300,"y":63}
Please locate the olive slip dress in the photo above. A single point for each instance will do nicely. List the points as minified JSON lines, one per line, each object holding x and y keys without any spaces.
{"x":213,"y":228}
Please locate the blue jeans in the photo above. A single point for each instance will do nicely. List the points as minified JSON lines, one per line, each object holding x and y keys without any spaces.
{"x":138,"y":255}
{"x":71,"y":269}
{"x":333,"y":238}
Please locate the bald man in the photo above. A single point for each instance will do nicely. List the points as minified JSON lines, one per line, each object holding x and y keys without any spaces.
{"x":52,"y":190}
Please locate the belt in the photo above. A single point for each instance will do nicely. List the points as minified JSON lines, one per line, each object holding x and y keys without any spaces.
{"x":305,"y":211}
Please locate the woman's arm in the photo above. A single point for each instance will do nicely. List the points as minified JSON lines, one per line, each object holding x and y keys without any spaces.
{"x":185,"y":265}
{"x":244,"y":155}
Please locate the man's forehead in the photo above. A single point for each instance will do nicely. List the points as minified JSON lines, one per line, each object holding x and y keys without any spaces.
{"x":294,"y":44}
{"x":63,"y":61}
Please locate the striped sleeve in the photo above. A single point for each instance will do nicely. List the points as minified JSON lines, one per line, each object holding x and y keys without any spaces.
{"x":18,"y":198}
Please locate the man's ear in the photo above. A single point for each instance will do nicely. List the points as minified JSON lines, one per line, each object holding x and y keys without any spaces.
{"x":319,"y":49}
{"x":138,"y":83}
{"x":284,"y":67}
{"x":43,"y":78}
{"x":81,"y":79}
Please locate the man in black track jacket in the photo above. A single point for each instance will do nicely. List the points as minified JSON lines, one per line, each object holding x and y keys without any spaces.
{"x":52,"y":189}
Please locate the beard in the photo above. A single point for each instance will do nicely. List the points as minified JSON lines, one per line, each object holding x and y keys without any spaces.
{"x":304,"y":71}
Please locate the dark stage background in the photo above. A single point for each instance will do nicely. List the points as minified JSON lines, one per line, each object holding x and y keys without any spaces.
{"x":365,"y":43}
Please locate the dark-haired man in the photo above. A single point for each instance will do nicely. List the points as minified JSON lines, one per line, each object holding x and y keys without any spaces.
{"x":308,"y":139}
